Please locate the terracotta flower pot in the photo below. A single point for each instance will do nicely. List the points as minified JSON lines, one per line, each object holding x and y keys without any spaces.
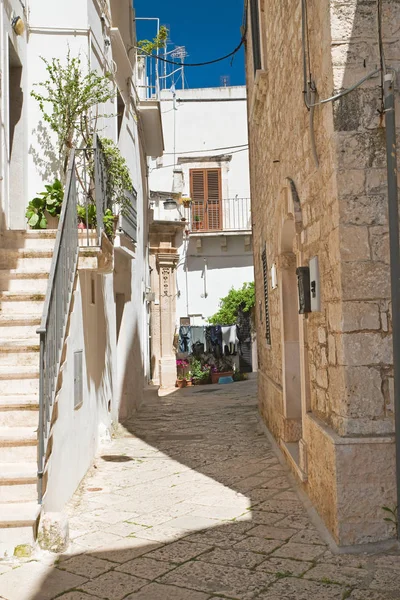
{"x":189,"y":382}
{"x":180,"y":383}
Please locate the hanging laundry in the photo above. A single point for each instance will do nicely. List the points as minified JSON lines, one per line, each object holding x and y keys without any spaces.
{"x":229,"y":339}
{"x":198,"y":339}
{"x":198,"y":334}
{"x":184,"y":338}
{"x":214,"y":340}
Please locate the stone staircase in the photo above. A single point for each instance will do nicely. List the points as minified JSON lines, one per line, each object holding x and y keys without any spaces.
{"x":25,"y":259}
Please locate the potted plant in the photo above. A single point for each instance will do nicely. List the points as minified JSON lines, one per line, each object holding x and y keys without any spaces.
{"x":221,"y":367}
{"x":200,"y":372}
{"x":186,"y":201}
{"x":180,"y":382}
{"x":43,"y":212}
{"x":197,"y":222}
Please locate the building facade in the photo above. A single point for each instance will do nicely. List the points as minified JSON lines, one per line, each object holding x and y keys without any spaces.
{"x":318,"y":188}
{"x":62,"y":393}
{"x":206,"y":160}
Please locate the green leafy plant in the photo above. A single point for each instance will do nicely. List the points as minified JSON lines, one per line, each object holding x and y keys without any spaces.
{"x":148,"y":46}
{"x":119,"y":182}
{"x":393,"y":518}
{"x":238,"y":376}
{"x":87,"y":216}
{"x":229,"y":305}
{"x":68,"y":100}
{"x":200,"y":372}
{"x":50,"y":200}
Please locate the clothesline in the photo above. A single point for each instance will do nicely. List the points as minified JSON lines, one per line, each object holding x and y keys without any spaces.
{"x":212,"y":338}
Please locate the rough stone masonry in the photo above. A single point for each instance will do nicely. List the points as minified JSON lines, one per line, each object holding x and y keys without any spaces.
{"x":326,"y":387}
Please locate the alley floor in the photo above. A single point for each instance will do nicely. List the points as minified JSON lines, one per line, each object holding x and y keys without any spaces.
{"x":190,"y":502}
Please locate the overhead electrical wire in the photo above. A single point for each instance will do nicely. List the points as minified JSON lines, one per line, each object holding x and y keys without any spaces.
{"x":208,"y":149}
{"x":310,"y":88}
{"x":172,"y":165}
{"x":207,"y":62}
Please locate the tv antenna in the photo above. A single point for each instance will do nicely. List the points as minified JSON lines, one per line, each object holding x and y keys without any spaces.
{"x":180,"y":53}
{"x":225,"y":80}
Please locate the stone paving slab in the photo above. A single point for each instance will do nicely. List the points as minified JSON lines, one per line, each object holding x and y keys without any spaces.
{"x":190,"y":502}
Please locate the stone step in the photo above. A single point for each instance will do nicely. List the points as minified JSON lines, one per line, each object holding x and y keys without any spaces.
{"x":23,"y":352}
{"x":30,"y":240}
{"x":18,"y":482}
{"x":13,"y":280}
{"x":21,"y":514}
{"x":17,"y":327}
{"x":19,"y":417}
{"x":16,"y":257}
{"x":18,"y":445}
{"x":29,"y":264}
{"x":19,"y":380}
{"x":23,"y":303}
{"x":19,"y":411}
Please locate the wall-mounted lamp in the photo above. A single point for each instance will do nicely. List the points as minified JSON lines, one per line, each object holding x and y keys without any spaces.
{"x":170,"y":204}
{"x":18,"y":25}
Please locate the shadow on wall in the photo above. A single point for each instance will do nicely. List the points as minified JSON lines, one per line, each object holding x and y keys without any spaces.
{"x":46,"y":161}
{"x":130,"y":364}
{"x":97,"y":337}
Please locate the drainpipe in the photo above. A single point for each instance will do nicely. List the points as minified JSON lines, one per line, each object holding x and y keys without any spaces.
{"x":391,"y":157}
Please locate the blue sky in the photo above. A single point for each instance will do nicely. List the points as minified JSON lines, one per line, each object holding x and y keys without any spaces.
{"x":208,"y":29}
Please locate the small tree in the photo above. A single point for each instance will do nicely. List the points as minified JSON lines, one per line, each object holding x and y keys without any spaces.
{"x":229,"y":305}
{"x":69,"y":103}
{"x":148,"y":46}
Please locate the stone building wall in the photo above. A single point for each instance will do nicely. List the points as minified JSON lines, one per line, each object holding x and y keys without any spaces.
{"x":330,"y":407}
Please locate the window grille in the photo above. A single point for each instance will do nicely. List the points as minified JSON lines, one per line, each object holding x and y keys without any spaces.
{"x":255,"y":34}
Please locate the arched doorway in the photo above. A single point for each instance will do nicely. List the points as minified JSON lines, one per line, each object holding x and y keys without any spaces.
{"x":291,"y":370}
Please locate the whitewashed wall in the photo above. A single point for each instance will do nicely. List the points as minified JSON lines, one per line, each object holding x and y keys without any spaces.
{"x":206,"y":123}
{"x":113,"y":373}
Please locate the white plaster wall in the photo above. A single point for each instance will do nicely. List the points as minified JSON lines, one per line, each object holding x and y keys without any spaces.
{"x":211,"y":118}
{"x":12,"y":185}
{"x":114,"y":373}
{"x":76,"y":431}
{"x":48,"y":13}
{"x":225,"y":269}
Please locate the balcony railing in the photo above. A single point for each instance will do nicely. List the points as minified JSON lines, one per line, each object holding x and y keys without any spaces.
{"x":128,"y":218}
{"x":229,"y":214}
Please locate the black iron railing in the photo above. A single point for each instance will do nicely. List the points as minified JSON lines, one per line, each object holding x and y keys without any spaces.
{"x":82,"y":179}
{"x":55,"y":312}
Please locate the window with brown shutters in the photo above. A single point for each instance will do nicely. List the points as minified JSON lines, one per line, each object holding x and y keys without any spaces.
{"x":255,"y":34}
{"x":205,"y":192}
{"x":265,"y":277}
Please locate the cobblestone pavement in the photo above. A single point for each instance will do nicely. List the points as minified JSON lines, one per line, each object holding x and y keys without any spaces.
{"x":190,"y":502}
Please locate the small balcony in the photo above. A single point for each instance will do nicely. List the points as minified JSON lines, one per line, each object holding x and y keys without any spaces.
{"x":227,"y":215}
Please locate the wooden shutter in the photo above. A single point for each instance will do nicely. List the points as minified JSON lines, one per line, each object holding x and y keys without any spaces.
{"x":255,"y":34}
{"x":205,"y":191}
{"x":198,"y":195}
{"x":265,"y":277}
{"x":214,"y":220}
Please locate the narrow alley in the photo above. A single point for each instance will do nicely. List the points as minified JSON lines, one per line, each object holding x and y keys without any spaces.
{"x":191,"y":502}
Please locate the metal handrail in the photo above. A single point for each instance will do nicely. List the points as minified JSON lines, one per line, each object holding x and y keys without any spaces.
{"x":100,"y":186}
{"x":55,"y":312}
